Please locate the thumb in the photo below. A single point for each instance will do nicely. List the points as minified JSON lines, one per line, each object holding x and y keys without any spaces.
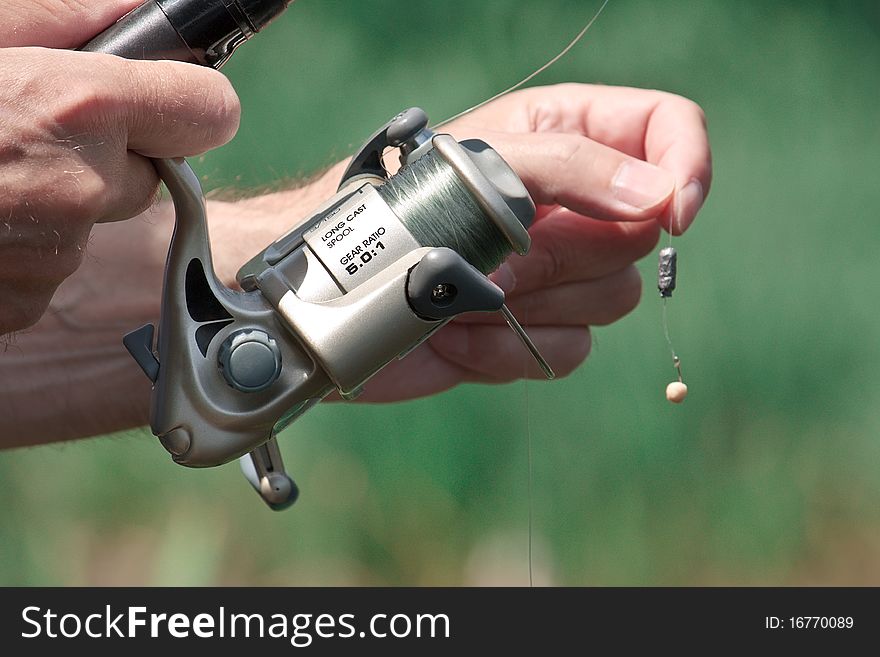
{"x":58,"y":23}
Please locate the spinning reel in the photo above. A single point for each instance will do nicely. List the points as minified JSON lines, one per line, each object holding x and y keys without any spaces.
{"x":360,"y":282}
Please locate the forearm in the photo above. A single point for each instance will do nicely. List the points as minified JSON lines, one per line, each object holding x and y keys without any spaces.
{"x":69,"y":376}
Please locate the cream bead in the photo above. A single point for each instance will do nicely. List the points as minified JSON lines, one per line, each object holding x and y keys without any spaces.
{"x":676,"y":392}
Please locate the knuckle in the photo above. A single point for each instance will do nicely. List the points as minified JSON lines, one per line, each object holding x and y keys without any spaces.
{"x":567,"y":149}
{"x":560,"y":258}
{"x":545,"y":113}
{"x":64,"y":264}
{"x":71,"y":9}
{"x":120,"y":201}
{"x":686,"y":106}
{"x":696,"y":110}
{"x":568,"y":153}
{"x":62,"y":93}
{"x":54,"y":256}
{"x":130,"y":188}
{"x":198,"y":103}
{"x":85,"y":102}
{"x":552,"y":264}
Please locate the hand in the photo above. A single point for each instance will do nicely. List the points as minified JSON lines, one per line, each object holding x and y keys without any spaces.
{"x":567,"y":143}
{"x":581,"y":150}
{"x":76,"y":130}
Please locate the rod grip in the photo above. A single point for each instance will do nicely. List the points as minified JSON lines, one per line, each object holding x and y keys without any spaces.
{"x":144,"y":33}
{"x":204,"y":32}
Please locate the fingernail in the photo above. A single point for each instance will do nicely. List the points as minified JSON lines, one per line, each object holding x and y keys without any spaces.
{"x":504,"y":278}
{"x":452,"y":341}
{"x":641,"y":185}
{"x":688,"y":202}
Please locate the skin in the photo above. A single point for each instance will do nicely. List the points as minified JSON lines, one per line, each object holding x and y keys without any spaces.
{"x":75,"y":133}
{"x":608,"y":167}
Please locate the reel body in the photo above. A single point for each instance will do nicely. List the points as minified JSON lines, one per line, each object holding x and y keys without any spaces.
{"x":325,"y":307}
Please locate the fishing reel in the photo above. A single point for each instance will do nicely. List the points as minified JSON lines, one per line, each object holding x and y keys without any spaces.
{"x":358,"y":283}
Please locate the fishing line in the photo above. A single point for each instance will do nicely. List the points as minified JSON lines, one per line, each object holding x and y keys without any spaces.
{"x":437,"y":208}
{"x":425,"y":228}
{"x":531,"y":506}
{"x":580,"y":35}
{"x":667,"y":273}
{"x":531,"y":509}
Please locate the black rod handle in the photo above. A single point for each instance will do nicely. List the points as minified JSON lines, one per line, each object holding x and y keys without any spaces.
{"x":202,"y":32}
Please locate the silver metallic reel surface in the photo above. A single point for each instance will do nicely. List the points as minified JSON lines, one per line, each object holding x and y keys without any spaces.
{"x":346,"y":291}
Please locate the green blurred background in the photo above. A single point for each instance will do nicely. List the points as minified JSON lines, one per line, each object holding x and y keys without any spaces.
{"x":768,"y":474}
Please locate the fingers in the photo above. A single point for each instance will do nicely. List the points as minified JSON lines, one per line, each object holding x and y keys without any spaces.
{"x":419,"y":374}
{"x":494,"y":354}
{"x":586,"y":176}
{"x":676,"y":140}
{"x":662,"y":128}
{"x":163,"y":109}
{"x":172,"y":109}
{"x":567,"y":248}
{"x":132,"y":191}
{"x":169,"y":110}
{"x":104,"y":116}
{"x":587,"y":303}
{"x":578,"y":273}
{"x":58,"y":23}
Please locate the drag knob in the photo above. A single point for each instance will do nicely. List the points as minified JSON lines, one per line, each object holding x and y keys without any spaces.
{"x":250,"y":360}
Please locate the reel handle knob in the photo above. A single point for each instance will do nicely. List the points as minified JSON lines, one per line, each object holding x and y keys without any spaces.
{"x":264,"y":469}
{"x":278,"y":490}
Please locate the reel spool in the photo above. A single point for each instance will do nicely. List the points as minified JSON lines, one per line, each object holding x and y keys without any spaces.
{"x":461,"y":196}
